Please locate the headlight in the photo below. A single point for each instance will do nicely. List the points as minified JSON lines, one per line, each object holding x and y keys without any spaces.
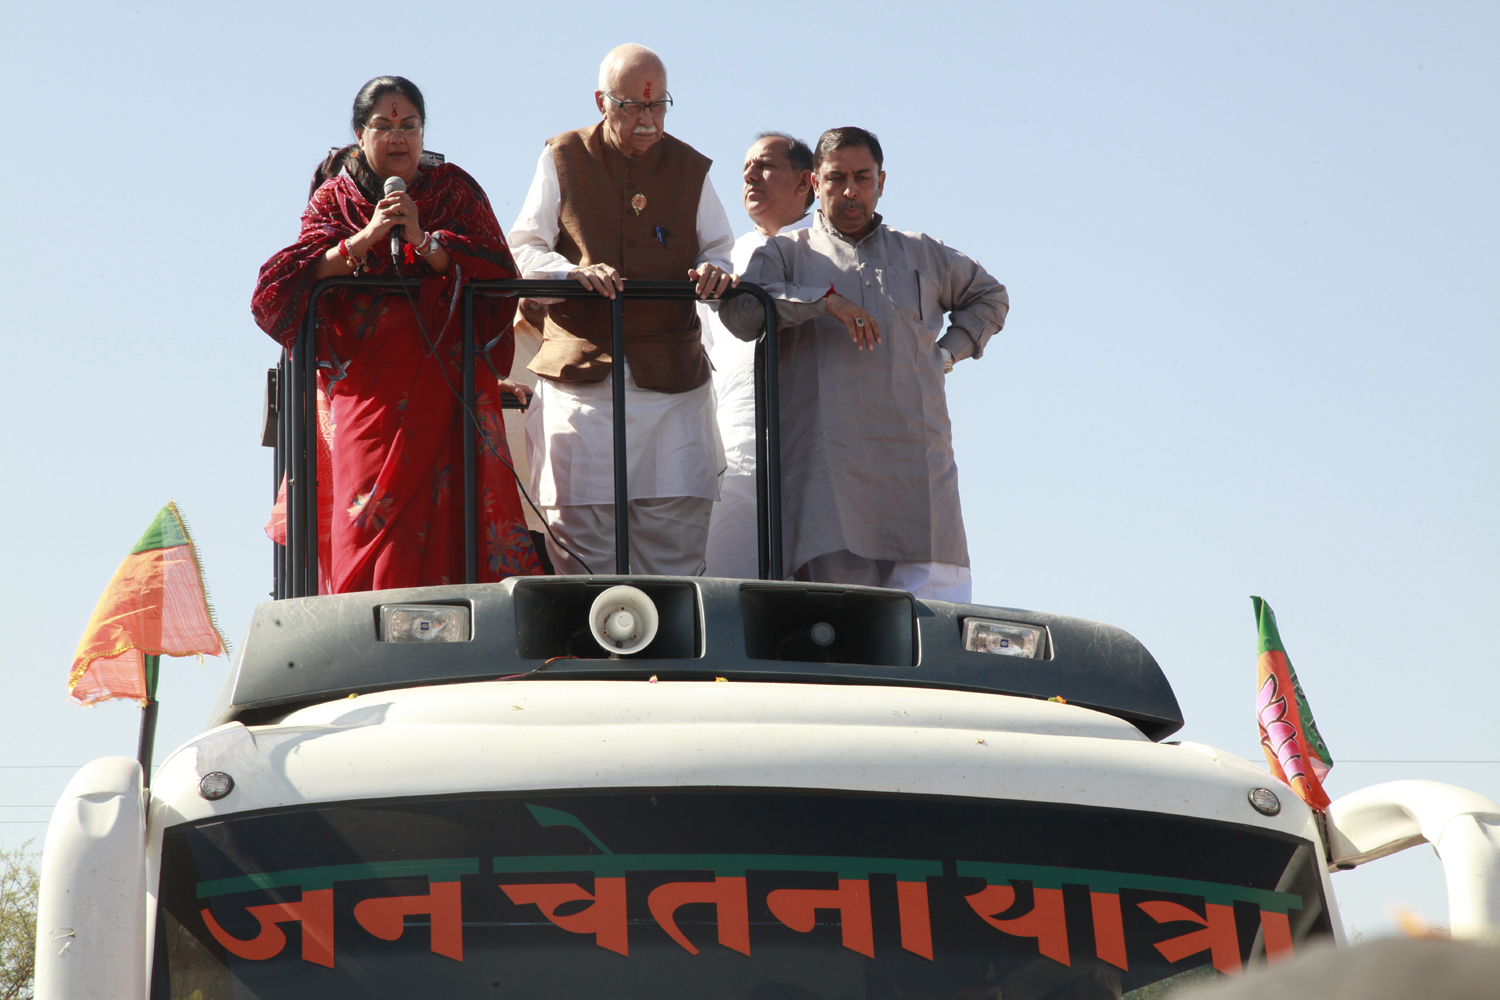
{"x":986,"y":635}
{"x":424,"y":623}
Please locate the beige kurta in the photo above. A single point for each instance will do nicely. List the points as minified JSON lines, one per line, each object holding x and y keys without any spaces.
{"x":866,"y":445}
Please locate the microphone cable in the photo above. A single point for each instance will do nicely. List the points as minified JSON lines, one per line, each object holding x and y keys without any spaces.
{"x":478,"y":427}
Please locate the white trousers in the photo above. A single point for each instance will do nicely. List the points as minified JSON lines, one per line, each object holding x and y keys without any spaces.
{"x":733,"y":539}
{"x":667,"y":536}
{"x":931,"y":580}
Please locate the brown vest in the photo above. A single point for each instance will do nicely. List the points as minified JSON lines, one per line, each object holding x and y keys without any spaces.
{"x":598,"y":225}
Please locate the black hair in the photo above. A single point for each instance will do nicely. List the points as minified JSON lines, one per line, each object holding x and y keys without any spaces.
{"x":371,"y":93}
{"x":799,"y":155}
{"x":364,"y":106}
{"x":849,"y":135}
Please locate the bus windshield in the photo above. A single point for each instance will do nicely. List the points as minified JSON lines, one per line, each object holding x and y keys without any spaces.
{"x":727,"y":894}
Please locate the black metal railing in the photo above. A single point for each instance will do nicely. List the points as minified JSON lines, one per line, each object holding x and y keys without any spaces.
{"x":293,"y":389}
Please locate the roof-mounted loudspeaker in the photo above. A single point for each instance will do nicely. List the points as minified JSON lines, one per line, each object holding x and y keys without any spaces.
{"x":623,"y":620}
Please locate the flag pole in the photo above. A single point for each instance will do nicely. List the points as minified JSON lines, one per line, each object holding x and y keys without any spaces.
{"x":148,"y":721}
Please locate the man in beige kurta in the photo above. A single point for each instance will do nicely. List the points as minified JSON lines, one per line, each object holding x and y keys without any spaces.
{"x":869,"y":482}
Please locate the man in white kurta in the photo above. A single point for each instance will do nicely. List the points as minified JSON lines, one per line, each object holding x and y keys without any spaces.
{"x":674,"y":457}
{"x":778,"y":191}
{"x":869,"y":482}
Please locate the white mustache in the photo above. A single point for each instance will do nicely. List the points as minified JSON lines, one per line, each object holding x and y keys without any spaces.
{"x":644,"y":130}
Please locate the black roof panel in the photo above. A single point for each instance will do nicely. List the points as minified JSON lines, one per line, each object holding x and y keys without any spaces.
{"x":305,"y":650}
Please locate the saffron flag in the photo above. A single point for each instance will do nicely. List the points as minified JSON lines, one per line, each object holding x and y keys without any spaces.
{"x":1294,"y":751}
{"x":156,"y":605}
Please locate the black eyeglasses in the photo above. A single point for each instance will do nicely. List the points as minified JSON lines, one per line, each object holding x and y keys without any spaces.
{"x":637,"y":108}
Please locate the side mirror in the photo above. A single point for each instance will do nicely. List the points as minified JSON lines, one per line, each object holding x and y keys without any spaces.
{"x":1463,"y":826}
{"x":91,"y":911}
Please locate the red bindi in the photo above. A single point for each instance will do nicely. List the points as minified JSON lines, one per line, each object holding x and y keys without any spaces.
{"x":648,"y":90}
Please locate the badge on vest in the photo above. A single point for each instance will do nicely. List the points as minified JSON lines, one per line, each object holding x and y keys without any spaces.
{"x":638,"y":203}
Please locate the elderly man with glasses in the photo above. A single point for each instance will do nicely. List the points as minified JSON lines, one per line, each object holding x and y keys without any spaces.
{"x":617,"y":201}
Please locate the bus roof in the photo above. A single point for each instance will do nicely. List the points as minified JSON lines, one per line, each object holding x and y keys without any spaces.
{"x":305,"y":650}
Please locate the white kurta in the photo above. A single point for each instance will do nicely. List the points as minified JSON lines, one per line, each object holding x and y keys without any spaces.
{"x":733,"y":540}
{"x":734,"y":365}
{"x":673,"y":445}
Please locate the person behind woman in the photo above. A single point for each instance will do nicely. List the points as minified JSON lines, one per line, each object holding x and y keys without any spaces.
{"x":390,"y":478}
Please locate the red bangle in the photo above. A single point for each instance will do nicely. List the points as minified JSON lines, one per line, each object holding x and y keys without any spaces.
{"x":354,"y":262}
{"x":830,"y":291}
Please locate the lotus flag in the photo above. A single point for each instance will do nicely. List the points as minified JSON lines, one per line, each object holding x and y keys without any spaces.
{"x":156,"y":605}
{"x":1294,"y":751}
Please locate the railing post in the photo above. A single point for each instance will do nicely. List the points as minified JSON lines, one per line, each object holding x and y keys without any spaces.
{"x":772,"y":433}
{"x":280,"y":566}
{"x":622,"y":478}
{"x":289,"y":464}
{"x":767,"y":439}
{"x":296,"y":413}
{"x":762,"y":529}
{"x":471,"y":483}
{"x":309,"y":471}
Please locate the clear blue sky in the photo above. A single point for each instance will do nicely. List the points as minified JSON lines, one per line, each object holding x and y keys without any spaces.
{"x":1252,"y":251}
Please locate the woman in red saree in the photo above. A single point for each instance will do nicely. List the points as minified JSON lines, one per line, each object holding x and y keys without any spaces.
{"x":390,"y":479}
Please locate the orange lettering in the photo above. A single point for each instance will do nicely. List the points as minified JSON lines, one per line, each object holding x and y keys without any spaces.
{"x":797,"y":909}
{"x":1045,"y":921}
{"x":385,"y":917}
{"x":1276,"y":930}
{"x":916,"y":923}
{"x":605,"y":919}
{"x":1109,"y":928}
{"x":728,"y":897}
{"x":1218,"y":936}
{"x":314,"y":911}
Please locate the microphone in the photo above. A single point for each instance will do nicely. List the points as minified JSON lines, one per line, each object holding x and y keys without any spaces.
{"x":392,"y":185}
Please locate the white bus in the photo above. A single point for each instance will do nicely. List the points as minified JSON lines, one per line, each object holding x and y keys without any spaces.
{"x":789,"y":791}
